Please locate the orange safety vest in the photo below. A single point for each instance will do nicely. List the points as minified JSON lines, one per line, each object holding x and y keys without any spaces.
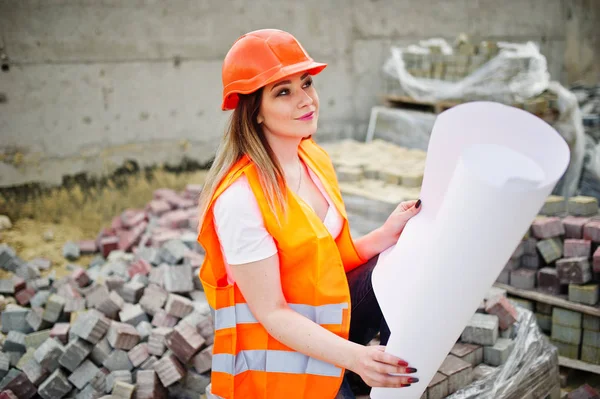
{"x":247,"y":362}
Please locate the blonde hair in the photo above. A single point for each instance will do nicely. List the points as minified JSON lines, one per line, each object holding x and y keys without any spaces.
{"x":244,"y":136}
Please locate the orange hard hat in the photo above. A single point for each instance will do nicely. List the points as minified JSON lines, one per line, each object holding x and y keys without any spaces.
{"x":262,"y":57}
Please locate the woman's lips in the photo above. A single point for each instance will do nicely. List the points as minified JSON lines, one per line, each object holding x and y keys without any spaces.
{"x":307,"y":117}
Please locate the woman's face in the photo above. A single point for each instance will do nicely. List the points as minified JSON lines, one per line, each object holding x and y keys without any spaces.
{"x":290,"y":107}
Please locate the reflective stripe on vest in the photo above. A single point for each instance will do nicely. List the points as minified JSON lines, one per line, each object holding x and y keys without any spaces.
{"x":272,"y":361}
{"x":240,"y":314}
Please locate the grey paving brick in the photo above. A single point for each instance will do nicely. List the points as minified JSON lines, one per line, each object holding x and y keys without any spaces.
{"x":118,"y":360}
{"x":591,"y":322}
{"x":591,"y":338}
{"x":550,"y":249}
{"x":586,"y":294}
{"x":590,"y":354}
{"x":144,"y":328}
{"x":178,"y":279}
{"x":111,"y":305}
{"x":172,"y":251}
{"x":101,"y":351}
{"x":14,"y":342}
{"x":568,"y":335}
{"x":99,"y":380}
{"x":48,"y":354}
{"x":497,"y":354}
{"x":14,"y":318}
{"x":482,"y":329}
{"x":459,"y":373}
{"x":195,"y":382}
{"x":83,"y":374}
{"x":566,"y":317}
{"x":89,"y":392}
{"x":523,"y":278}
{"x":133,"y":314}
{"x":469,"y":353}
{"x":56,"y":386}
{"x":131,"y":292}
{"x":90,"y":326}
{"x":566,"y":350}
{"x":34,"y":319}
{"x":35,"y":372}
{"x":54,"y":308}
{"x":75,"y":352}
{"x":437,"y":387}
{"x":4,"y":364}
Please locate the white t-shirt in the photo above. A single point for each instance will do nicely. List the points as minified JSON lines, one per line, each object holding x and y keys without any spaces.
{"x":240,"y":226}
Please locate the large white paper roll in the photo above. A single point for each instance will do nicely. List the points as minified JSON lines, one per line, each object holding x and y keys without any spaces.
{"x":489,"y":170}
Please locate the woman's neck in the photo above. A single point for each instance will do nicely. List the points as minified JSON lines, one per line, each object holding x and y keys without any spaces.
{"x":286,"y":151}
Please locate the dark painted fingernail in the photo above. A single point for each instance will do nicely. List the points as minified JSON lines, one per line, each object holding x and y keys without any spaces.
{"x":418,"y":204}
{"x":411,"y":370}
{"x":404,"y":385}
{"x":402,"y":363}
{"x":413,"y":380}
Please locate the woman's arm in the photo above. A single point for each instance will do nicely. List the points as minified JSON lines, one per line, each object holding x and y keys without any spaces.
{"x":387,"y":235}
{"x":373,"y":243}
{"x":260,"y":284}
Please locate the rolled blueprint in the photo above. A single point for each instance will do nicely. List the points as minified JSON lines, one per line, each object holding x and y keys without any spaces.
{"x":489,"y":169}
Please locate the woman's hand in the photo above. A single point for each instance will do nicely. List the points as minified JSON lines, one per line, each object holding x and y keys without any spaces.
{"x":375,"y":366}
{"x":393,"y":226}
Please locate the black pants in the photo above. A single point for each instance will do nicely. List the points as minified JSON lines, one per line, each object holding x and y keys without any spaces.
{"x":366,"y":318}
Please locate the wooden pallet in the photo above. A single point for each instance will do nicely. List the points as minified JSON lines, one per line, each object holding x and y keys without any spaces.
{"x":410,"y":103}
{"x":550,"y":300}
{"x":436,"y":107}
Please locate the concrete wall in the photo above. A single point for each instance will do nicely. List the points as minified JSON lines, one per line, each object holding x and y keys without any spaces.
{"x":92,"y":83}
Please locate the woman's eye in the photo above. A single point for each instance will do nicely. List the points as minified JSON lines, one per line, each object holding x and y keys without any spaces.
{"x":308,"y":83}
{"x":283,"y":92}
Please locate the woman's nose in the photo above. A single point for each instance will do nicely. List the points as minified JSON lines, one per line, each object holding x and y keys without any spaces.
{"x":305,"y":99}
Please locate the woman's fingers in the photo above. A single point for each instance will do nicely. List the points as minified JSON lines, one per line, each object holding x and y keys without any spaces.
{"x":387,"y":380}
{"x":385,"y":368}
{"x":383,"y":357}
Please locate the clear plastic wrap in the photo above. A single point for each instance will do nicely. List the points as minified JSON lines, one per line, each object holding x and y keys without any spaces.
{"x":590,"y":178}
{"x":570,"y":127}
{"x":517,"y":72}
{"x":531,"y":370}
{"x":406,"y":128}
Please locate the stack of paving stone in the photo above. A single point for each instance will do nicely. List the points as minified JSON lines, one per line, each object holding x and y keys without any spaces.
{"x":588,"y":98}
{"x":374,"y":177}
{"x":561,"y":257}
{"x":485,"y":345}
{"x":560,"y":254}
{"x":133,"y":324}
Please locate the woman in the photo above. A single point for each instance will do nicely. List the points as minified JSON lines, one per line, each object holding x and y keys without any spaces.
{"x":292,"y":294}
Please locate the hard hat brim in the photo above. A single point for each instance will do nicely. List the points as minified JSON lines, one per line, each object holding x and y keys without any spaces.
{"x":243,"y":87}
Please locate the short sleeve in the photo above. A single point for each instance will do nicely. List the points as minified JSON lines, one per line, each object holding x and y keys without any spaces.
{"x":240,"y":226}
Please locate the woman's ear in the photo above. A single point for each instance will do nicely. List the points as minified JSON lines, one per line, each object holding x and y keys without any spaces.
{"x":260,"y":119}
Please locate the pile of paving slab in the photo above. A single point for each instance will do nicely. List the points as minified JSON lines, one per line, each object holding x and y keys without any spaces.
{"x":561,"y":257}
{"x":485,"y":344}
{"x":134,"y":324}
{"x":560,"y":253}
